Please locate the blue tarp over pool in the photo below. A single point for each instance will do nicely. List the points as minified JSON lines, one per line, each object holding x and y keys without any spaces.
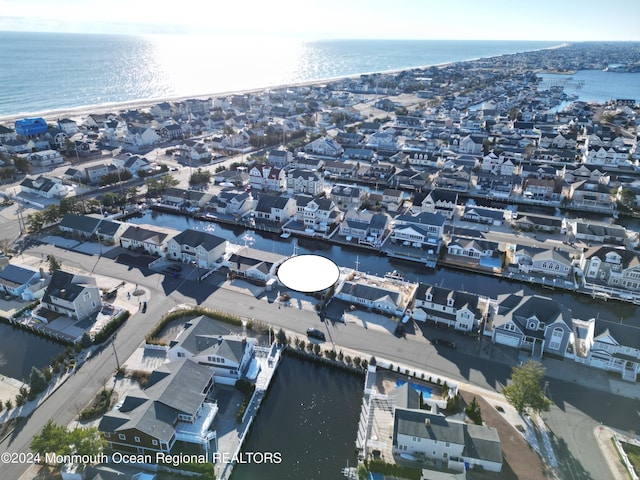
{"x":426,"y":391}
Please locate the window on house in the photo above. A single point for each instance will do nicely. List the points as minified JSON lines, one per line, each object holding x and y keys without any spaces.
{"x":122,"y":436}
{"x":154,"y":442}
{"x":136,"y":439}
{"x":180,"y":354}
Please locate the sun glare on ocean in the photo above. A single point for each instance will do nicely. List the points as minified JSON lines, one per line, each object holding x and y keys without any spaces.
{"x":201,"y":64}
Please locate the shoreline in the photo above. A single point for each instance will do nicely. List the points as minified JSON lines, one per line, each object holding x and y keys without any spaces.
{"x":78,"y":113}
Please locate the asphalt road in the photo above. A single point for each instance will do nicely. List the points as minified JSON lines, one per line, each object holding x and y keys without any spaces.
{"x":577,"y":410}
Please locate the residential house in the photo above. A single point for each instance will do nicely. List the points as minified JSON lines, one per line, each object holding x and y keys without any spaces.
{"x":595,"y":232}
{"x":304,"y":181}
{"x":233,"y":203}
{"x":472,"y":247}
{"x":610,"y":346}
{"x":392,"y":199}
{"x":109,"y":231}
{"x":44,"y":187}
{"x":131,"y":163}
{"x":274,"y":208}
{"x":279,"y":157}
{"x":181,"y":197}
{"x":151,"y":240}
{"x":45,"y":158}
{"x":256,"y":265}
{"x":489,"y":216}
{"x":590,"y":194}
{"x":422,"y":230}
{"x":366,"y":226}
{"x":347,"y":194}
{"x":68,"y":126}
{"x":385,"y":296}
{"x":197,"y":247}
{"x":324,"y":147}
{"x":463,"y":311}
{"x":543,"y":223}
{"x":26,"y":283}
{"x":175,"y":405}
{"x":238,"y":178}
{"x":268,"y":178}
{"x":456,"y":444}
{"x":84,"y":226}
{"x":443,"y":202}
{"x":228,"y":356}
{"x":339,"y":168}
{"x":538,"y":324}
{"x":612,"y":267}
{"x":457,"y":179}
{"x":318,"y":214}
{"x":73,"y":295}
{"x":553,"y":262}
{"x":94,"y":173}
{"x":139,"y":137}
{"x":542,"y":188}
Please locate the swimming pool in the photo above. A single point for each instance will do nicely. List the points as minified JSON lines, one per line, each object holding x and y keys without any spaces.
{"x":426,"y":391}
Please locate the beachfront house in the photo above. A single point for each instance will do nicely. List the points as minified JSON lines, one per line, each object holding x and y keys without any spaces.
{"x":45,"y":158}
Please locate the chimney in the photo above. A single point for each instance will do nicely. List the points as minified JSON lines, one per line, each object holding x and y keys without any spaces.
{"x":42,"y":272}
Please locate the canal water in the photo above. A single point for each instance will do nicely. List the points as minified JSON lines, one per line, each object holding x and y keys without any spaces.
{"x":310,"y":416}
{"x":582,"y":306}
{"x":21,"y":350}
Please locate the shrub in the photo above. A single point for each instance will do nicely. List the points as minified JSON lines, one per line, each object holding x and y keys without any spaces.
{"x":473,"y":412}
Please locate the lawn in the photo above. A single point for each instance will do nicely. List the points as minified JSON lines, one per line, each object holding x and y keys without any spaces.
{"x":633,"y":452}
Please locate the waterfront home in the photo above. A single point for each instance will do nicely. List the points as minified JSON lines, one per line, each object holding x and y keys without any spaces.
{"x":463,"y":311}
{"x":456,"y":444}
{"x":267,"y":177}
{"x":94,"y":173}
{"x":534,"y":323}
{"x":364,"y":225}
{"x":610,"y":346}
{"x":551,"y":262}
{"x":28,"y":127}
{"x":392,"y":199}
{"x":498,"y":165}
{"x":274,"y":208}
{"x":228,"y":356}
{"x":471,"y":247}
{"x":457,"y":179}
{"x":176,"y":404}
{"x":597,"y":232}
{"x":73,"y":295}
{"x":232,"y":203}
{"x":180,"y":197}
{"x":542,"y":188}
{"x":347,"y":194}
{"x":151,"y":240}
{"x":170,"y":131}
{"x":23,"y":282}
{"x":45,"y":158}
{"x":318,"y":214}
{"x":45,"y":187}
{"x":423,"y":229}
{"x":589,"y":194}
{"x":543,"y":223}
{"x":110,"y":231}
{"x":239,"y":178}
{"x":339,"y":168}
{"x":256,"y":265}
{"x":304,"y":181}
{"x":68,"y":126}
{"x":384,"y":295}
{"x":485,"y":215}
{"x":309,"y":163}
{"x":196,"y":247}
{"x":443,"y":202}
{"x":616,"y":268}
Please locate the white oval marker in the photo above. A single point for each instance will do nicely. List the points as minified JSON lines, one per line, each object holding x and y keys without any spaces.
{"x":308,"y":273}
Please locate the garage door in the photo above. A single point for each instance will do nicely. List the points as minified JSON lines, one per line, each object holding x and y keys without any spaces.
{"x":508,"y":340}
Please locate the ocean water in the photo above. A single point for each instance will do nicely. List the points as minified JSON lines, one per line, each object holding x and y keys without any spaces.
{"x":50,"y":71}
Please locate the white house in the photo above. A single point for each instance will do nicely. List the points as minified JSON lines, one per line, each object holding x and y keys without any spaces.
{"x":44,"y":187}
{"x":194,"y":246}
{"x":267,"y":177}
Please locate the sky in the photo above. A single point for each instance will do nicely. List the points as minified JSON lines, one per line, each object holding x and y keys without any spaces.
{"x":548,"y":20}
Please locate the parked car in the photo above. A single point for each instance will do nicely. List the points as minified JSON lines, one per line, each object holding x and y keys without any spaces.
{"x":445,"y":343}
{"x":315,"y":333}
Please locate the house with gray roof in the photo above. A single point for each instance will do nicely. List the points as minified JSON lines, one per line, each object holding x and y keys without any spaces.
{"x":489,"y":216}
{"x":197,"y":247}
{"x":175,"y":405}
{"x":44,"y":187}
{"x":72,"y":295}
{"x":422,"y":230}
{"x":253,"y":264}
{"x":365,"y":225}
{"x":423,"y":434}
{"x":81,"y":225}
{"x":463,"y":311}
{"x":596,"y":232}
{"x":531,"y":322}
{"x":228,"y":356}
{"x":274,"y":208}
{"x":23,"y":282}
{"x":151,"y":240}
{"x":382,"y":294}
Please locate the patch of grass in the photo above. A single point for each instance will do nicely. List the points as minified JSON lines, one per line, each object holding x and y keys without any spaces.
{"x":633,"y":452}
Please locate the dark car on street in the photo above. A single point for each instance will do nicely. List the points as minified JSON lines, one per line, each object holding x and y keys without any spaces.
{"x":315,"y":333}
{"x":445,"y":343}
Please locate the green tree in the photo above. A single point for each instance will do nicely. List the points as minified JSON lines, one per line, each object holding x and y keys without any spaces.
{"x":473,"y":412}
{"x":86,"y":441}
{"x":627,"y":197}
{"x":22,"y":164}
{"x":53,"y":438}
{"x":69,"y":205}
{"x":37,"y":381}
{"x":54,"y":264}
{"x":51,"y":214}
{"x":200,"y":177}
{"x":35,"y":222}
{"x":281,"y":337}
{"x":524,"y":391}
